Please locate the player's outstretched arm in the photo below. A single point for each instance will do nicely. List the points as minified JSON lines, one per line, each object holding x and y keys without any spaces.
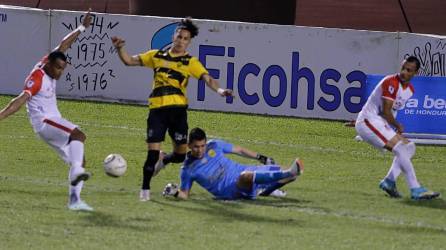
{"x":253,"y":155}
{"x":14,"y":105}
{"x":214,"y":85}
{"x":122,"y":53}
{"x":69,"y":39}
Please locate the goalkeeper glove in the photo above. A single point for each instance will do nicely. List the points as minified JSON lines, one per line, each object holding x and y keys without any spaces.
{"x":171,"y":189}
{"x":265,"y":160}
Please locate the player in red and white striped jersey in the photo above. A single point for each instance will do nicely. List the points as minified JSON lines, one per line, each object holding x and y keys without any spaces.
{"x":39,"y":94}
{"x":376,"y":124}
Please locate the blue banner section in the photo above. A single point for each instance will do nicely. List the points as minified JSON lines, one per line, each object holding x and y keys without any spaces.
{"x":425,"y":112}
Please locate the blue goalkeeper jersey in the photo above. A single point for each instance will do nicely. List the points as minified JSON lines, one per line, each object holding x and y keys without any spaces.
{"x":214,"y":171}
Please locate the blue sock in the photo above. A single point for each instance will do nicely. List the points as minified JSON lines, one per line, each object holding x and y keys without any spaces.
{"x":264,"y":177}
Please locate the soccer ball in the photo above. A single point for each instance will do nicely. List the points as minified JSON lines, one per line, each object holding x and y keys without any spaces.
{"x":115,"y":165}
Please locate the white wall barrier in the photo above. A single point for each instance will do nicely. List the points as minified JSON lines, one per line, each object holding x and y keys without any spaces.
{"x":24,"y":37}
{"x":273,"y":69}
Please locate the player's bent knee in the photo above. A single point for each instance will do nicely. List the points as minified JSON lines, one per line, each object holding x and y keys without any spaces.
{"x":393,"y":142}
{"x":404,"y":150}
{"x":398,"y":149}
{"x":411,"y":149}
{"x":77,"y":135}
{"x":245,"y":179}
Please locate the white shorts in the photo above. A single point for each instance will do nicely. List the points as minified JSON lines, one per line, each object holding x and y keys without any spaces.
{"x":56,"y":133}
{"x":375,"y":131}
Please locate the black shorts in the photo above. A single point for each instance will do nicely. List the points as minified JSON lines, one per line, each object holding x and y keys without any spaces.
{"x":173,"y":120}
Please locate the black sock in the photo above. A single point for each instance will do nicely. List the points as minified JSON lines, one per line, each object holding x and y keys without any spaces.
{"x":149,"y":167}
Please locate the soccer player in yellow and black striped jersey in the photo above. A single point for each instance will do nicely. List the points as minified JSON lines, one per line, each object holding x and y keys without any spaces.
{"x":168,"y":101}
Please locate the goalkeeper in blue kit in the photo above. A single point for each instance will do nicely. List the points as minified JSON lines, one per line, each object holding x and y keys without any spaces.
{"x":226,"y":179}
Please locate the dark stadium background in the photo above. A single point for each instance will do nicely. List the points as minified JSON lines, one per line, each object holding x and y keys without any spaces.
{"x":426,"y":16}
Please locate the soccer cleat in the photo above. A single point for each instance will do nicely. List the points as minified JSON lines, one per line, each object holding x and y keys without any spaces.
{"x":144,"y":195}
{"x":81,"y":177}
{"x":80,"y":206}
{"x":297,"y":168}
{"x":159,"y":164}
{"x":278,"y":193}
{"x":422,"y":193}
{"x":389,"y":187}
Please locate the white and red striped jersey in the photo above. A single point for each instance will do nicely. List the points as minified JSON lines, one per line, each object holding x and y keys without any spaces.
{"x":389,"y":88}
{"x":42,"y":89}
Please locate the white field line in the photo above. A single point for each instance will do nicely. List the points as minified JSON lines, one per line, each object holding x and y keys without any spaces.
{"x":281,"y":205}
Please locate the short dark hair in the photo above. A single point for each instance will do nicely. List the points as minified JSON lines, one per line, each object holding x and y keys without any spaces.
{"x":197,"y":134}
{"x":187,"y":24}
{"x":414,"y":59}
{"x":53,"y":56}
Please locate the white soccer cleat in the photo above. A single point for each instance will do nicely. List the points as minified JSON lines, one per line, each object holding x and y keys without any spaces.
{"x":80,"y":177}
{"x":80,"y":206}
{"x":159,"y":164}
{"x":278,"y":193}
{"x":144,"y":195}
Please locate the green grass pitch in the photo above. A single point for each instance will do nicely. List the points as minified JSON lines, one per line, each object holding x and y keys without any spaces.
{"x":335,"y":204}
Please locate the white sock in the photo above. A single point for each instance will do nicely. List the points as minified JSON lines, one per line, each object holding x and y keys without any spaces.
{"x":76,"y":153}
{"x":402,"y":156}
{"x":394,"y":171}
{"x":76,"y":160}
{"x":75,"y":192}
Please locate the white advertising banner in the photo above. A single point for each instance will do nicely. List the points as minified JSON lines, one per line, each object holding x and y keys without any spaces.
{"x":277,"y":70}
{"x":273,"y":69}
{"x":24,"y":35}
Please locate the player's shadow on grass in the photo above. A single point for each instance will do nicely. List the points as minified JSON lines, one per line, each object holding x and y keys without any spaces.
{"x":101,"y":219}
{"x":435,"y":204}
{"x":228,"y":212}
{"x":278,"y":202}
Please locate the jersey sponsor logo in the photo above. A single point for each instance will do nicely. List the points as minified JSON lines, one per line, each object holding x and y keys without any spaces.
{"x":179,"y":136}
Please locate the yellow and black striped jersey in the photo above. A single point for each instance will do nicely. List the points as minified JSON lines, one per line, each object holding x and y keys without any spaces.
{"x":171,"y":76}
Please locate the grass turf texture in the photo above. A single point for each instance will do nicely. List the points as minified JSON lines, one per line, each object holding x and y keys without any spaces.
{"x":336,"y":204}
